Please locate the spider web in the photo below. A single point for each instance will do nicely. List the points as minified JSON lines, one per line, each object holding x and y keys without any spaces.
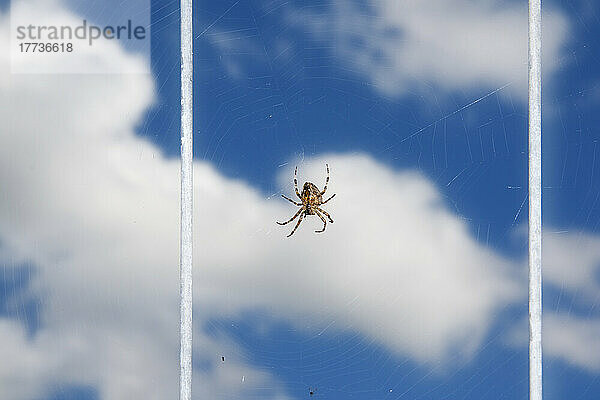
{"x":281,"y":88}
{"x":300,"y":89}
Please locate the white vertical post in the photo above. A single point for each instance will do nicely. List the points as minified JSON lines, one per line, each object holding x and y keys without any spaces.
{"x":535,"y":200}
{"x":185,"y":261}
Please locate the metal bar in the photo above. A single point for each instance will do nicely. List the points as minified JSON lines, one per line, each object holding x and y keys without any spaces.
{"x":186,"y":237}
{"x":535,"y":200}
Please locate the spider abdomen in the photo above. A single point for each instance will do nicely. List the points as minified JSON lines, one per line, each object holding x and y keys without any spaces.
{"x":311,"y":195}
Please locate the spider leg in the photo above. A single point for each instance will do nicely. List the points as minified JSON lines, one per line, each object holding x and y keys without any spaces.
{"x":288,"y":199}
{"x":296,"y":183}
{"x":326,"y":213}
{"x":322,"y":219}
{"x":291,"y":219}
{"x":297,"y":225}
{"x":326,"y":181}
{"x":329,"y":198}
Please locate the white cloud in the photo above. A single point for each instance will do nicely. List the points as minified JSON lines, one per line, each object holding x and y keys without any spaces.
{"x":444,"y":44}
{"x":571,"y":263}
{"x":573,"y":339}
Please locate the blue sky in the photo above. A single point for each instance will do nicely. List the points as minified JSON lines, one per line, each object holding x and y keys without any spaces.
{"x":282,"y":83}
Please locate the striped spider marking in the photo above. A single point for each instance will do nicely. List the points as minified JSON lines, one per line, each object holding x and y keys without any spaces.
{"x":311,"y":200}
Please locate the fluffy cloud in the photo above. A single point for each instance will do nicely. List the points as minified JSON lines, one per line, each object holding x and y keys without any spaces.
{"x":571,"y":265}
{"x":573,"y":339}
{"x":445,"y":44}
{"x":572,"y":261}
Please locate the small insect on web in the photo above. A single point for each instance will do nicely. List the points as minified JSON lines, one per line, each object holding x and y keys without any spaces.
{"x":311,"y":199}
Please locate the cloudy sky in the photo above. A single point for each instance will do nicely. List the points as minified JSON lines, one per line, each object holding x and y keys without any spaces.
{"x":418,"y":290}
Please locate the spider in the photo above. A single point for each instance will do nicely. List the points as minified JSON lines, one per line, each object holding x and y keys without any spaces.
{"x":311,"y":198}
